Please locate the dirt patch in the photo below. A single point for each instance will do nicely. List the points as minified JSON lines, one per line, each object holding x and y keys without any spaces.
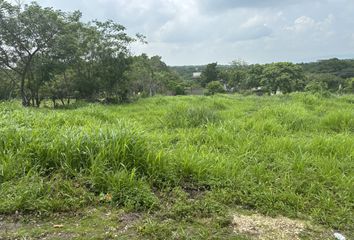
{"x":7,"y":226}
{"x":267,"y":228}
{"x":129,"y":217}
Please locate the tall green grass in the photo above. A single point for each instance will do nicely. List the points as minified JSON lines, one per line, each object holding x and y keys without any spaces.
{"x":291,"y":155}
{"x":184,"y":116}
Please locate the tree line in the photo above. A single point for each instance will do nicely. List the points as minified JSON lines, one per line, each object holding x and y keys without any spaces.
{"x":326,"y":76}
{"x":51,"y":54}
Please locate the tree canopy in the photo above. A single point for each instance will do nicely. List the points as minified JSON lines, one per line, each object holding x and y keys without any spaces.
{"x":47,"y":53}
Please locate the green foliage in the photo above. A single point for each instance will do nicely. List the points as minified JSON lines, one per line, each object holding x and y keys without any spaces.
{"x":186,"y":72}
{"x":286,"y":77}
{"x":54,"y":55}
{"x":151,"y":76}
{"x":324,"y":82}
{"x":215,"y":87}
{"x":179,"y":90}
{"x":349,"y":86}
{"x":237,"y":76}
{"x":210,"y":74}
{"x":329,"y":75}
{"x":254,"y":77}
{"x":7,"y":85}
{"x":316,"y":87}
{"x":334,"y":66}
{"x":26,"y":33}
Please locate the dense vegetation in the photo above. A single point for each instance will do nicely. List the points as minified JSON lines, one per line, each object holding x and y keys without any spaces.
{"x":325,"y":76}
{"x":290,"y":155}
{"x":50,"y":54}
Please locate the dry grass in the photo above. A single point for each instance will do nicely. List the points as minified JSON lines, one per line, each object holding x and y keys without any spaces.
{"x":267,"y":228}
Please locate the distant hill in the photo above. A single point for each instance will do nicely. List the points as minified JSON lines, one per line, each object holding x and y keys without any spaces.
{"x":341,"y":68}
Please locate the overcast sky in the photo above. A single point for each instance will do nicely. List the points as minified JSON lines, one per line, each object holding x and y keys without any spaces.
{"x":188,"y":32}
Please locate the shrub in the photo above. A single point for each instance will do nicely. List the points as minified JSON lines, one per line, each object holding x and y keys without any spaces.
{"x":215,"y":87}
{"x":179,"y":90}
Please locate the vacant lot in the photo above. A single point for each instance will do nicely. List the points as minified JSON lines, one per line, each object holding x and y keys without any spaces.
{"x":177,"y":167}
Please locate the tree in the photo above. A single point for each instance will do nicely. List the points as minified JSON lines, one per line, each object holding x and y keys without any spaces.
{"x":340,"y":68}
{"x":66,"y":60}
{"x":24,"y":33}
{"x":254,"y":76}
{"x":209,"y":74}
{"x":215,"y":87}
{"x":349,"y":86}
{"x":316,"y":87}
{"x":151,"y":76}
{"x":42,"y":71}
{"x":112,"y":59}
{"x":234,"y":77}
{"x":8,"y":84}
{"x":325,"y":82}
{"x":283,"y":76}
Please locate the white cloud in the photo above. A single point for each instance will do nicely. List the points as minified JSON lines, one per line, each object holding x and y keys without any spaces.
{"x":306,"y":24}
{"x":199,"y":31}
{"x":302,"y":24}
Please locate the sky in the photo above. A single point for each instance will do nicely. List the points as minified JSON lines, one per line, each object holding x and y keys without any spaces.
{"x":193,"y":32}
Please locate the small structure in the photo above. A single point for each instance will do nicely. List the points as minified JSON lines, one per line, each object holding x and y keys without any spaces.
{"x":258,"y":90}
{"x":197,"y":75}
{"x":278,"y":92}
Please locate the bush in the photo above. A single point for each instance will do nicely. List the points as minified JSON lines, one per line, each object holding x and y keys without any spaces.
{"x":349,"y":86}
{"x":179,"y":90}
{"x":324,"y":82}
{"x":215,"y":87}
{"x":315,"y":87}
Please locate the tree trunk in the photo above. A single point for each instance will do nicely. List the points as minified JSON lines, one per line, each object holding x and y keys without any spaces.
{"x":25,"y":101}
{"x":54,"y":103}
{"x":10,"y":95}
{"x":38,"y":101}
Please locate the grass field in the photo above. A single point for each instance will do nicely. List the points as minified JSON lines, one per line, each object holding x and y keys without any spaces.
{"x":181,"y":162}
